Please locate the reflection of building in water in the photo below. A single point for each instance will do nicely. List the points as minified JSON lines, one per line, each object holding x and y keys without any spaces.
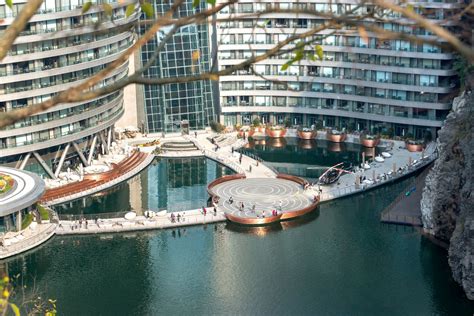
{"x":175,"y":183}
{"x":137,"y":188}
{"x":186,"y":172}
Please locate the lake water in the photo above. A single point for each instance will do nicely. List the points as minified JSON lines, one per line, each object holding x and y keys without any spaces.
{"x":339,"y":261}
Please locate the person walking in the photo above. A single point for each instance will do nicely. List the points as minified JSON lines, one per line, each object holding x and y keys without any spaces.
{"x":250,"y":168}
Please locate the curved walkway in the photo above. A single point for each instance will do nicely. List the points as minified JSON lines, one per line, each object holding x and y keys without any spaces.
{"x":94,"y":183}
{"x":25,"y":240}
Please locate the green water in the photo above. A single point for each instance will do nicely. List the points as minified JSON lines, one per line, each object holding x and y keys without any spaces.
{"x":338,"y":261}
{"x":172,"y":184}
{"x":306,"y":158}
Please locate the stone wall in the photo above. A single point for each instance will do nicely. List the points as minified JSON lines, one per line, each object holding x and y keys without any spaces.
{"x":447,"y":204}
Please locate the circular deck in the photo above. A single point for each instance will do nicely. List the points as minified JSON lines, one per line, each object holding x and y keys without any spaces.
{"x":267,"y":195}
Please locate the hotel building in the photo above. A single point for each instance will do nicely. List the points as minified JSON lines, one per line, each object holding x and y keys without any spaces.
{"x":61,"y":47}
{"x":363,"y":82}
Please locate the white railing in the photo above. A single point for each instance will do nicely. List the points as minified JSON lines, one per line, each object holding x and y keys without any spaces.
{"x":27,"y":243}
{"x":351,"y":189}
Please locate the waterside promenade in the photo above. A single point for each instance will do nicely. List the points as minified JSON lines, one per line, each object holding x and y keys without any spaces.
{"x":402,"y":163}
{"x":115,"y":225}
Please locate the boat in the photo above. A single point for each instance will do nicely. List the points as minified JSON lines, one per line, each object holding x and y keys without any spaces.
{"x":379,"y":159}
{"x":386,"y":154}
{"x":332,"y":174}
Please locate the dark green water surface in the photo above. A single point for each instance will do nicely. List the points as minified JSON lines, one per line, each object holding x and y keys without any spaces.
{"x":339,"y":261}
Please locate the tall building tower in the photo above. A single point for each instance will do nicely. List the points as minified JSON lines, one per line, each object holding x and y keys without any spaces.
{"x":59,"y":48}
{"x":186,"y":53}
{"x":363,"y":82}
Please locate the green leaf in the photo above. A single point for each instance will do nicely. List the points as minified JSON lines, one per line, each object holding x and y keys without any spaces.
{"x":286,"y":65}
{"x":319,"y":52}
{"x":211,"y":2}
{"x":196,"y":3}
{"x":107,"y":9}
{"x":130,"y":9}
{"x":9,"y":3}
{"x":86,"y":7}
{"x":410,"y":7}
{"x":15,"y":309}
{"x":299,"y":55}
{"x":147,"y":8}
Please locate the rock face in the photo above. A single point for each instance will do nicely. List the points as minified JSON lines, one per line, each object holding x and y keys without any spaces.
{"x":447,"y":205}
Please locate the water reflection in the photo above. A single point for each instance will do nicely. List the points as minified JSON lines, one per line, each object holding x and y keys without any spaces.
{"x":172,"y":184}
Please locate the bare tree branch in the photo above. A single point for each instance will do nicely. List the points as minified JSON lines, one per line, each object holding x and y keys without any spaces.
{"x":17,"y":26}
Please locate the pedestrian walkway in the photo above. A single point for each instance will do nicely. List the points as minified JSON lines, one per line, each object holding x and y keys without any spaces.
{"x":139,"y":223}
{"x":94,"y":183}
{"x":229,"y":156}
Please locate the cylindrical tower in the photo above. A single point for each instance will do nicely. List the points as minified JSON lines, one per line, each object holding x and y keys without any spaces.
{"x":61,"y":47}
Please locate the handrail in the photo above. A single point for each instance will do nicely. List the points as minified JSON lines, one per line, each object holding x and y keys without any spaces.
{"x":27,"y":242}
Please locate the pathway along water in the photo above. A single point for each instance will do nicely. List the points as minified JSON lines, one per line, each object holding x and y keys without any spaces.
{"x":343,"y":262}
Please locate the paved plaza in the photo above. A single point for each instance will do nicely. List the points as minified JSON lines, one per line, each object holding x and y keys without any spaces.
{"x":261,"y":195}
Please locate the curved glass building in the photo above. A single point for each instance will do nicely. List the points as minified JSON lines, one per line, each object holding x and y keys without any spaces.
{"x":59,"y":48}
{"x":363,"y":82}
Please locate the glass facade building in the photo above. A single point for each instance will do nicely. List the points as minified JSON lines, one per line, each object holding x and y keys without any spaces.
{"x":363,"y":82}
{"x":61,"y":47}
{"x":186,"y":53}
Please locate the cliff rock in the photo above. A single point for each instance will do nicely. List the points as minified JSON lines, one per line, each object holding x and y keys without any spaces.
{"x":447,"y":205}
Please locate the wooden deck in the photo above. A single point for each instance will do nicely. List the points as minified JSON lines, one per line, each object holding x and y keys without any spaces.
{"x":95,"y":180}
{"x":405,"y":209}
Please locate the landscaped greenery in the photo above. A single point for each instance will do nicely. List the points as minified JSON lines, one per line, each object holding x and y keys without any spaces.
{"x":6,"y":183}
{"x":217,"y":127}
{"x":26,"y":221}
{"x":44,"y":214}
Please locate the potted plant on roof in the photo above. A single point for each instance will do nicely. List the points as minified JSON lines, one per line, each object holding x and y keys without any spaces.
{"x":335,"y":135}
{"x":369,"y":140}
{"x":276,"y":131}
{"x":257,"y":126}
{"x":247,"y":131}
{"x":306,"y":133}
{"x":412,"y":144}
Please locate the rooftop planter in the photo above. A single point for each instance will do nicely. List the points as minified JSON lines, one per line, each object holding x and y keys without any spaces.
{"x":276,"y":131}
{"x":258,"y":129}
{"x":306,"y":133}
{"x":335,"y":136}
{"x":368,"y":140}
{"x":414,"y":145}
{"x":247,"y":131}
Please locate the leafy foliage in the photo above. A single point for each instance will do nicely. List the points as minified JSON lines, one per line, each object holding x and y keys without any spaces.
{"x":217,"y":127}
{"x":301,"y":52}
{"x":130,"y":9}
{"x":256,"y":122}
{"x":26,"y":221}
{"x":147,"y":8}
{"x":86,"y":7}
{"x":9,"y":3}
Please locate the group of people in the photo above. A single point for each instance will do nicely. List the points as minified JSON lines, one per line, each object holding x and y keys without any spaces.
{"x":178,"y":218}
{"x":79,"y":223}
